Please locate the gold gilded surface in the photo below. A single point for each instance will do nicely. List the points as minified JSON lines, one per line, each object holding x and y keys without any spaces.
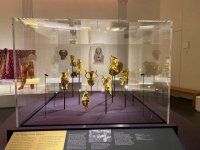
{"x":72,"y":59}
{"x":85,"y":99}
{"x":79,"y":66}
{"x":115,"y":67}
{"x":91,"y":77}
{"x":65,"y":80}
{"x":107,"y":84}
{"x":124,"y":78}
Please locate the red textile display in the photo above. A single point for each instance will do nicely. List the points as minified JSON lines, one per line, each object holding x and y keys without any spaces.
{"x":8,"y":65}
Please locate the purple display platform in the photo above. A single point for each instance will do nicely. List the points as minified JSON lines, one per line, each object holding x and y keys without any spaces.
{"x":74,"y":114}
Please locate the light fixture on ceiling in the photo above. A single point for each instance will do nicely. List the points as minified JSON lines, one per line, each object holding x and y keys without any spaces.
{"x":119,"y":26}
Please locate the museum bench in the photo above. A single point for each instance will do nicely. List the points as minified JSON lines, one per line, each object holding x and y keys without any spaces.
{"x":185,"y":93}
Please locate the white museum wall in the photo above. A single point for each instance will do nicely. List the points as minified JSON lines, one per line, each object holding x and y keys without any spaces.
{"x":186,"y":54}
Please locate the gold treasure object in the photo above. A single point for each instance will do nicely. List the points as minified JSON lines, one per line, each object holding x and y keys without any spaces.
{"x":115,"y":67}
{"x":85,"y":99}
{"x":79,"y":66}
{"x":91,"y":77}
{"x":124,"y":78}
{"x":107,"y":84}
{"x":65,"y":80}
{"x":73,"y":62}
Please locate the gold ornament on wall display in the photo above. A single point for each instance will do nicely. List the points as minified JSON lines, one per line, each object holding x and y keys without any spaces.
{"x":107,"y":84}
{"x":124,"y":78}
{"x":85,"y":99}
{"x":115,"y":67}
{"x":73,"y":62}
{"x":79,"y":66}
{"x":65,"y":80}
{"x":91,"y":77}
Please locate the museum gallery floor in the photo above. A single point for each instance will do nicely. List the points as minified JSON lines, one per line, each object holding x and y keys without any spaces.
{"x":75,"y":114}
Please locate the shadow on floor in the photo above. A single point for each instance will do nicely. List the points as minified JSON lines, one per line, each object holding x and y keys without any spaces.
{"x":187,"y":119}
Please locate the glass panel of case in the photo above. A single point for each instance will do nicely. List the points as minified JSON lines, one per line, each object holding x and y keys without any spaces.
{"x":71,"y":71}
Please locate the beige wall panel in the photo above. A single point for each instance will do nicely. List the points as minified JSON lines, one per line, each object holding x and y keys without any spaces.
{"x":143,"y":9}
{"x":190,"y":72}
{"x":172,"y":10}
{"x":8,"y":9}
{"x":84,"y":9}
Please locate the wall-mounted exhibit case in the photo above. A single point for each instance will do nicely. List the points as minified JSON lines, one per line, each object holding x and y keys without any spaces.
{"x":71,"y":71}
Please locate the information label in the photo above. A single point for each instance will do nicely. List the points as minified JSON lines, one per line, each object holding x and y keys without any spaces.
{"x":37,"y":140}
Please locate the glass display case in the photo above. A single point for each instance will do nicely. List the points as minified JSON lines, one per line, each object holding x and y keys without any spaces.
{"x":78,"y":71}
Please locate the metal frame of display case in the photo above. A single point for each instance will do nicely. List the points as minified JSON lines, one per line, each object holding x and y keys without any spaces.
{"x":155,"y":34}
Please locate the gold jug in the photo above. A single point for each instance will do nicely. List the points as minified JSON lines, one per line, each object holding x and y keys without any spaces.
{"x":124,"y":78}
{"x":65,"y":80}
{"x":79,"y":66}
{"x":85,"y":99}
{"x":107,"y":84}
{"x":115,"y":67}
{"x":91,"y":77}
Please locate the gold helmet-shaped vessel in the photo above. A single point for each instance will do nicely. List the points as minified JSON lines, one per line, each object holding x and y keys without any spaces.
{"x":65,"y":80}
{"x":124,"y":78}
{"x":91,"y":76}
{"x":115,"y":67}
{"x":107,"y":84}
{"x":85,"y":99}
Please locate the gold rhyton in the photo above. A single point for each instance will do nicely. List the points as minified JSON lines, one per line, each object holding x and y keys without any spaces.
{"x":85,"y":99}
{"x":107,"y":84}
{"x":73,"y":62}
{"x":124,"y":78}
{"x":65,"y":80}
{"x":79,"y":66}
{"x":91,"y":77}
{"x":115,"y":67}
